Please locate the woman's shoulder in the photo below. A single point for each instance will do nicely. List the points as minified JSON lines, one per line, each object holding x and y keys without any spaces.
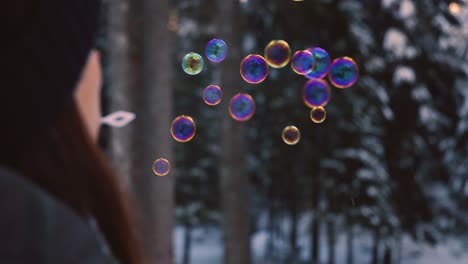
{"x":36,"y":228}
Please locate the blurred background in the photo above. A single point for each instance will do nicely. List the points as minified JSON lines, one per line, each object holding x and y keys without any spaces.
{"x":383,"y":180}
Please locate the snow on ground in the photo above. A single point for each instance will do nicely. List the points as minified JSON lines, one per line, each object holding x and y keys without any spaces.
{"x":207,"y":249}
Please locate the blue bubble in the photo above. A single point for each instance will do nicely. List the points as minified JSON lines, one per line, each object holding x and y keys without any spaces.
{"x":242,"y":107}
{"x":322,"y":63}
{"x":254,"y":69}
{"x":302,"y":62}
{"x":316,"y":93}
{"x":216,"y":50}
{"x":212,"y":95}
{"x":183,"y":128}
{"x":343,"y":72}
{"x":161,"y":167}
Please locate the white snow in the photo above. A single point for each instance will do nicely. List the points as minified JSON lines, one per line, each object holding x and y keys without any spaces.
{"x":406,"y":9}
{"x":404,"y":74}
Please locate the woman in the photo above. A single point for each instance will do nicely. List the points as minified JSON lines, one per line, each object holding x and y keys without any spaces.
{"x":54,"y":181}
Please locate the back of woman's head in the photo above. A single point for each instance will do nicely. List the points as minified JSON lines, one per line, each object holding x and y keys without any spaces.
{"x":43,"y":135}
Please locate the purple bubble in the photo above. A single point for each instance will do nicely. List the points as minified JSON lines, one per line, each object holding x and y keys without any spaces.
{"x":302,"y":62}
{"x":242,"y":107}
{"x":212,"y":95}
{"x":183,"y":129}
{"x":254,"y":69}
{"x":161,"y":167}
{"x":316,"y":93}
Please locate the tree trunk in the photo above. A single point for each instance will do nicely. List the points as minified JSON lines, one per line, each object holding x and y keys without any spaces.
{"x":375,"y":248}
{"x":234,"y":179}
{"x":187,"y":244}
{"x":331,"y":241}
{"x":121,"y":79}
{"x":388,"y":255}
{"x":315,"y":225}
{"x":141,"y":83}
{"x":293,"y":211}
{"x":350,"y":245}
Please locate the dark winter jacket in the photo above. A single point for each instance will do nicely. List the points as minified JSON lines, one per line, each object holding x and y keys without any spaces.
{"x":36,"y":228}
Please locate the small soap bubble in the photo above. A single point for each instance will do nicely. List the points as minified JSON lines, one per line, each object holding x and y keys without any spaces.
{"x":291,"y":135}
{"x":318,"y":114}
{"x":216,"y":50}
{"x":192,"y":63}
{"x":277,"y":53}
{"x":242,"y":107}
{"x":161,"y":167}
{"x":183,"y":128}
{"x":254,"y":69}
{"x":344,"y":72}
{"x":212,"y":95}
{"x":302,"y":62}
{"x":322,"y":63}
{"x":316,"y":93}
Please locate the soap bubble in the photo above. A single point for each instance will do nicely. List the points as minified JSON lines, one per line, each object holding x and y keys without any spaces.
{"x":343,"y":72}
{"x":192,"y":63}
{"x":277,"y":53}
{"x":322,"y":63}
{"x":242,"y":107}
{"x":183,"y":128}
{"x":318,"y":114}
{"x":161,"y":167}
{"x":216,"y":50}
{"x":212,"y":95}
{"x":291,"y":135}
{"x":316,"y":93}
{"x":254,"y":69}
{"x":302,"y":62}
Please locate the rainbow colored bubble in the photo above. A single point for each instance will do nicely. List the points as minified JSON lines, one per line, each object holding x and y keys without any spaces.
{"x":212,"y":95}
{"x":161,"y":167}
{"x":254,"y":69}
{"x":316,"y":93}
{"x":216,"y":50}
{"x":322,"y":63}
{"x":344,"y":72}
{"x":291,"y":135}
{"x":242,"y":107}
{"x":277,"y":53}
{"x":183,"y":128}
{"x":192,"y":63}
{"x":302,"y":62}
{"x":318,"y":114}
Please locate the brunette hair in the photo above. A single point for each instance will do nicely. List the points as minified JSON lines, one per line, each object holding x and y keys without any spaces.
{"x":63,"y":160}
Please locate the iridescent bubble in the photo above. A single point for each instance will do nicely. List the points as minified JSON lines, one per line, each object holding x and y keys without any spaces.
{"x":291,"y":135}
{"x":254,"y":69}
{"x":212,"y":95}
{"x":322,"y":63}
{"x":302,"y":62}
{"x":192,"y":63}
{"x":216,"y":50}
{"x":183,"y":128}
{"x":161,"y":167}
{"x":318,"y":114}
{"x":242,"y":107}
{"x":344,"y":72}
{"x":316,"y":93}
{"x":277,"y":53}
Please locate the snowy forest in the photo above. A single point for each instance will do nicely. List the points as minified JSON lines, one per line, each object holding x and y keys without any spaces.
{"x":384,"y":180}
